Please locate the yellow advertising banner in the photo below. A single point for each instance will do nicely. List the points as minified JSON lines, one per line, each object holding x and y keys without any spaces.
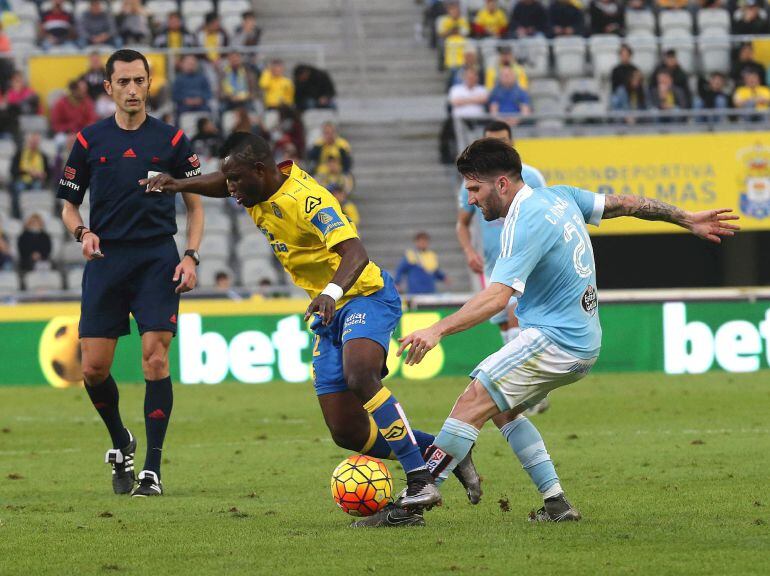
{"x":695,"y":172}
{"x":54,"y":72}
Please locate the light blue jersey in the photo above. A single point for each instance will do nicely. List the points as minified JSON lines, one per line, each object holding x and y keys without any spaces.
{"x":547,"y":258}
{"x":490,"y":231}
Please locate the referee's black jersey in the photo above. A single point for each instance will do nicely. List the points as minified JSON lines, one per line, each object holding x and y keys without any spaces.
{"x":111,"y":161}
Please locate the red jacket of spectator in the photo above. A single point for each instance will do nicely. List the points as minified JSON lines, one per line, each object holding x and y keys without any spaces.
{"x":70,"y":115}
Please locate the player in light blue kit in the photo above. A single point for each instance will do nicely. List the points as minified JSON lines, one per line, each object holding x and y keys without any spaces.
{"x":547,"y":261}
{"x":490,"y":242}
{"x":490,"y":232}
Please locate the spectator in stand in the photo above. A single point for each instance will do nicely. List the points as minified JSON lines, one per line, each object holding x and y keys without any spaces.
{"x":34,"y":245}
{"x":57,"y":25}
{"x":5,"y":42}
{"x":490,"y":21}
{"x":222,"y":281}
{"x":566,"y":19}
{"x":207,"y":140}
{"x":291,"y":131}
{"x":29,"y":168}
{"x":104,"y":106}
{"x":6,"y":257}
{"x":420,"y":267}
{"x":175,"y":35}
{"x":671,"y":65}
{"x":349,"y":209}
{"x":750,"y":19}
{"x":506,"y":60}
{"x":631,"y":96}
{"x":248,"y":33}
{"x":244,"y":123}
{"x":277,"y":89}
{"x":624,"y":69}
{"x":665,"y":95}
{"x":752,"y":96}
{"x":508,"y":101}
{"x":528,"y":18}
{"x":330,"y":144}
{"x":452,"y":51}
{"x":191,"y":91}
{"x":314,"y":88}
{"x":238,"y":86}
{"x":470,"y":60}
{"x":21,"y":96}
{"x":713,"y":94}
{"x":96,"y":26}
{"x":94,"y":76}
{"x":451,"y":20}
{"x":74,"y":111}
{"x":9,"y":119}
{"x":212,"y":36}
{"x":469,"y":99}
{"x":452,"y":31}
{"x":607,"y":17}
{"x":133,"y":23}
{"x":744,"y":63}
{"x":334,"y":176}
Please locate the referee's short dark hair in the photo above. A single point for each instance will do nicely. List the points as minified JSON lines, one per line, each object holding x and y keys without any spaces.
{"x":497,"y":126}
{"x":247,"y":147}
{"x":124,"y":55}
{"x":489,"y":158}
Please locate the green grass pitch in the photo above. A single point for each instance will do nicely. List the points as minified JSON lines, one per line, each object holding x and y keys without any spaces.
{"x":671,"y":475}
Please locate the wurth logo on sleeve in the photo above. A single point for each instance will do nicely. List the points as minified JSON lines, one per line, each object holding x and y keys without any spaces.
{"x":69,"y":172}
{"x":194,"y":162}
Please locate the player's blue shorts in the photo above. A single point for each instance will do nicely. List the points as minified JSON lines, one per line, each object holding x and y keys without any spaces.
{"x":133,"y":277}
{"x":373,"y":317}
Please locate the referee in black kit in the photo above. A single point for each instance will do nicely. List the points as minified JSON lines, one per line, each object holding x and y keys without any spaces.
{"x":133,"y":265}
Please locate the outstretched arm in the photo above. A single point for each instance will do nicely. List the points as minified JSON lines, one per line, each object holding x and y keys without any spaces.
{"x":709,"y":225}
{"x":482,"y":306}
{"x":213,"y":185}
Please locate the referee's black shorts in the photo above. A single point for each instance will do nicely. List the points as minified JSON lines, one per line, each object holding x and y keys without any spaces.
{"x":133,"y":277}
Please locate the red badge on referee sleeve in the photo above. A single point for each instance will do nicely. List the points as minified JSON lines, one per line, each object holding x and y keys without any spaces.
{"x":193,"y":160}
{"x":69,"y":172}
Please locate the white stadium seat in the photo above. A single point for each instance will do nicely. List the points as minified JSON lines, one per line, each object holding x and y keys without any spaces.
{"x":675,"y":22}
{"x":640,"y":20}
{"x":75,"y":279}
{"x":569,"y":56}
{"x":43,"y":281}
{"x":234,"y":6}
{"x":604,"y":50}
{"x":714,"y":53}
{"x":215,"y":246}
{"x":253,"y":245}
{"x":196,"y":8}
{"x":533,"y":52}
{"x":257,"y":270}
{"x":713,"y":19}
{"x":9,"y":282}
{"x":645,"y":47}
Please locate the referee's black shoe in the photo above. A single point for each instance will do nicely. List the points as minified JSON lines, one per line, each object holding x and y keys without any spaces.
{"x":391,"y":516}
{"x":122,"y":461}
{"x":149,"y":485}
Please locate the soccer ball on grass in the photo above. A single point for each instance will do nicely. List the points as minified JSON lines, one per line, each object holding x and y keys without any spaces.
{"x":361,"y":485}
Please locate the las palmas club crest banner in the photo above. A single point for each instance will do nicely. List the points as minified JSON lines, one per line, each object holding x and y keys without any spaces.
{"x":695,"y":172}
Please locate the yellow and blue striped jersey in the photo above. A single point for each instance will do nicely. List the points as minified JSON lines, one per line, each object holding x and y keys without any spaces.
{"x":303,"y":222}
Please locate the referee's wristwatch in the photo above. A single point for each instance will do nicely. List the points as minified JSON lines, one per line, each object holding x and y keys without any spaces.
{"x":194,"y":255}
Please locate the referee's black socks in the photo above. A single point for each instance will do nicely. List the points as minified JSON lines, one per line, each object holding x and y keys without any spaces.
{"x":105,"y":399}
{"x":158,"y":401}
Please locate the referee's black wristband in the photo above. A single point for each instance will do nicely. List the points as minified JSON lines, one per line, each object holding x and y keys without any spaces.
{"x":79,"y":233}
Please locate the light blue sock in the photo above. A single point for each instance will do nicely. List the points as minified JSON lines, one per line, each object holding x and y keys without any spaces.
{"x":527,"y":444}
{"x":450,"y":446}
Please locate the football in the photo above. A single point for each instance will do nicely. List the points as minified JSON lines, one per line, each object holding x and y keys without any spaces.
{"x":361,"y":485}
{"x":59,"y":352}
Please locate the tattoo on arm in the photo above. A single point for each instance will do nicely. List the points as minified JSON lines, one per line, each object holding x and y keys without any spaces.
{"x":643,"y":208}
